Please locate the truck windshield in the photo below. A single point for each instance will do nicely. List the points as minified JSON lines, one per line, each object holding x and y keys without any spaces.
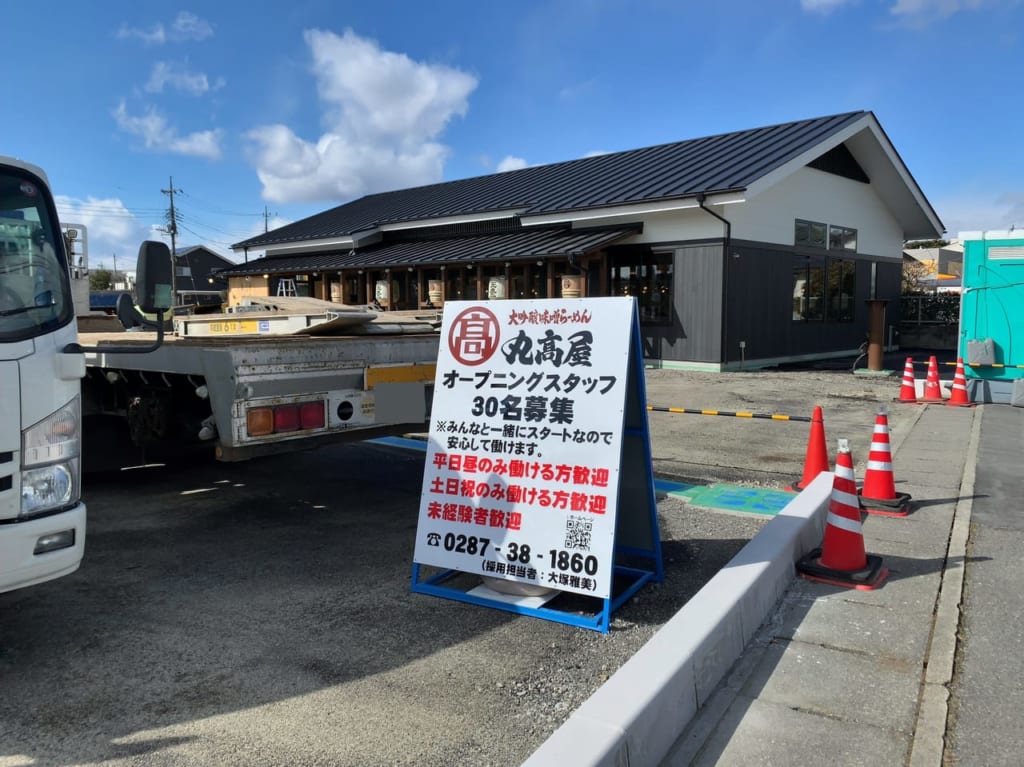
{"x":35,"y":296}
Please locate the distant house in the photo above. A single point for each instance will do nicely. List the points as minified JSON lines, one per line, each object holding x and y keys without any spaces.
{"x":943,"y":267}
{"x":197,"y":281}
{"x":748,"y":248}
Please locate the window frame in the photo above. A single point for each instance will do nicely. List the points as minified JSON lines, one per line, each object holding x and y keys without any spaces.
{"x":813,"y":269}
{"x":650,"y":278}
{"x":847,"y":270}
{"x":807,"y":239}
{"x":846,"y":236}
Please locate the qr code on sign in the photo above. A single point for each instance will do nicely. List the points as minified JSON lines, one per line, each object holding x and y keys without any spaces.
{"x":577,"y":533}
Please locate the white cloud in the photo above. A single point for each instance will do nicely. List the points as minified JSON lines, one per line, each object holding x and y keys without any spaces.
{"x":933,"y":8}
{"x":975,"y":212}
{"x":112,"y":229}
{"x":822,"y":6}
{"x":188,"y":26}
{"x":383,"y":113}
{"x":911,"y":11}
{"x":155,"y":35}
{"x":158,"y":135}
{"x":185,"y":27}
{"x":511,"y":163}
{"x":596,"y":152}
{"x":166,"y":73}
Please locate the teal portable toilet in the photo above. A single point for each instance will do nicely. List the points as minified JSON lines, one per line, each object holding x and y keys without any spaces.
{"x":992,"y":316}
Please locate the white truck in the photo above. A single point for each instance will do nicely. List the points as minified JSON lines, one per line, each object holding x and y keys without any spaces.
{"x":238,"y":385}
{"x":42,"y":518}
{"x":277,"y":375}
{"x":219,"y":382}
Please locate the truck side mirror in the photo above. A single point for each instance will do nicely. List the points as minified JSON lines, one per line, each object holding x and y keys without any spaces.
{"x":153,"y":277}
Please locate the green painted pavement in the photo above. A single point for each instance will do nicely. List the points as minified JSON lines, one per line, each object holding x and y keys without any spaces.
{"x":744,"y":500}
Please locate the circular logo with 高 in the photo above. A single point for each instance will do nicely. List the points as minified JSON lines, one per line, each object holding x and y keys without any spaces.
{"x":474,"y":336}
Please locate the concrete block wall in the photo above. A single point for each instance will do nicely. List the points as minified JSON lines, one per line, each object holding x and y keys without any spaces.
{"x":635,"y":717}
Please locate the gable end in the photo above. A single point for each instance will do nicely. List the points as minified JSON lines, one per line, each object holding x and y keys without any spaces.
{"x":840,"y":162}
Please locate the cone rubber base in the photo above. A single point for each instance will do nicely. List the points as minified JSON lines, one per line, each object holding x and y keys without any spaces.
{"x":868,"y":579}
{"x":961,"y":404}
{"x":907,"y":401}
{"x":888,"y":507}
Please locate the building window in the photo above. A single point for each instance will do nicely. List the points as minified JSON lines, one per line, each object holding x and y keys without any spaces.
{"x":810,"y":233}
{"x":823,"y":289}
{"x":842,"y":278}
{"x":808,"y":289}
{"x":647,"y":277}
{"x":842,"y":238}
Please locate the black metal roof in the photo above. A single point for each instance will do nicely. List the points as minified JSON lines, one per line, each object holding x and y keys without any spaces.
{"x":715,"y":164}
{"x":518,"y":245}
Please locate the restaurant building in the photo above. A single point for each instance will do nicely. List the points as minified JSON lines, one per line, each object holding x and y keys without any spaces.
{"x":749,"y":248}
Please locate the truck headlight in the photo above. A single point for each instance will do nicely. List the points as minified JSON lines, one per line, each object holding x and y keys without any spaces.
{"x":50,"y":478}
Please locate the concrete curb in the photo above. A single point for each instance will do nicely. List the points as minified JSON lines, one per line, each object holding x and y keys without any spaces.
{"x":636,"y":716}
{"x":928,"y":746}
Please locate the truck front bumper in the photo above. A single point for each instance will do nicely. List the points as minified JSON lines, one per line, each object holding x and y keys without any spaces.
{"x":21,"y":566}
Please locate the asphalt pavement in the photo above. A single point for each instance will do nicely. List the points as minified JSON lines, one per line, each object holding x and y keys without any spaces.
{"x":923,"y":671}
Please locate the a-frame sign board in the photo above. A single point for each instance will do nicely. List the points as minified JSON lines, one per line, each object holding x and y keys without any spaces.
{"x":538,"y":474}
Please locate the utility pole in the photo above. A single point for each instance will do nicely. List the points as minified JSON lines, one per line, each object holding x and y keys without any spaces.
{"x":266,"y":219}
{"x":172,"y":229}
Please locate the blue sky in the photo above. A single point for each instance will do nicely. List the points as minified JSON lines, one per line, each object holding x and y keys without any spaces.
{"x":290,"y":108}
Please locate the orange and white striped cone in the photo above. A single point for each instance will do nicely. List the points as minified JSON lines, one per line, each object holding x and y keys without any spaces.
{"x":958,"y":391}
{"x":908,"y":389}
{"x":879,"y":496}
{"x":816,"y":460}
{"x":932,"y":387}
{"x":841,"y":560}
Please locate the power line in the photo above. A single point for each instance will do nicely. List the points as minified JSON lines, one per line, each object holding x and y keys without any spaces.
{"x":102,"y":211}
{"x":214,"y":209}
{"x":197,"y":222}
{"x":207,"y":239}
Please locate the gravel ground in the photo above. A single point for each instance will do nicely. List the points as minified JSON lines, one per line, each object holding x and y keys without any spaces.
{"x":260,"y":614}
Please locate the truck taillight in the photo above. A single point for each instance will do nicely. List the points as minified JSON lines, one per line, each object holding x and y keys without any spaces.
{"x":286,"y":418}
{"x":259,"y":421}
{"x":311,"y":415}
{"x":282,"y":419}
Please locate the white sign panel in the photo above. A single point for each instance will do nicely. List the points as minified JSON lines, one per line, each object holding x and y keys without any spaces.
{"x":522,"y":469}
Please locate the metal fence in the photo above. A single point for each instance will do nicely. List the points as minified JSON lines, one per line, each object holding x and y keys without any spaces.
{"x":931,"y":309}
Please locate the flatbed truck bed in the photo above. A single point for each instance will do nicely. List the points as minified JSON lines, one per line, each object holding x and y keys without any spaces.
{"x":254,"y":395}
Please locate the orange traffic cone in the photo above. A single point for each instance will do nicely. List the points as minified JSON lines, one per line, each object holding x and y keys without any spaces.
{"x":958,"y":391}
{"x":816,"y":460}
{"x":841,"y":560}
{"x":932,"y":387}
{"x":879,"y":496}
{"x":908,"y":390}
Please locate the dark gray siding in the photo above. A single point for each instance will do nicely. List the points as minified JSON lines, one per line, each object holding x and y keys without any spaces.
{"x":695,"y":334}
{"x":759,"y":307}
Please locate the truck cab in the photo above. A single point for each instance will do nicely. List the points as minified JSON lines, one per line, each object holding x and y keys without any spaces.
{"x":42,"y":518}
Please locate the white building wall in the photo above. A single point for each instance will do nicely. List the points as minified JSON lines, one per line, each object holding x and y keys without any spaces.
{"x":814,"y":195}
{"x":808,"y":194}
{"x":668,"y":227}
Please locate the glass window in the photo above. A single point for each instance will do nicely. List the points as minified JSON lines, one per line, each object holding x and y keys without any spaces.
{"x":810,"y":233}
{"x":842,"y":238}
{"x":842,"y":277}
{"x":647,"y":277}
{"x":35,"y":294}
{"x":808,"y":289}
